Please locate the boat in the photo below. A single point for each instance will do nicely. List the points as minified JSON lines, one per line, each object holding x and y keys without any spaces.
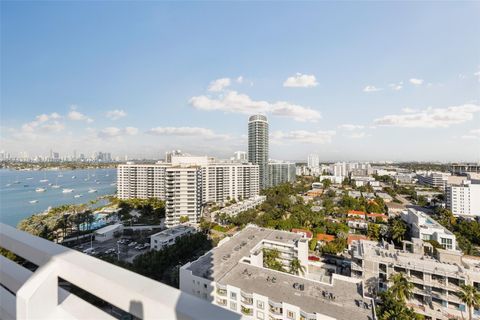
{"x":67,"y":190}
{"x":50,"y":184}
{"x":92,"y":190}
{"x":113,"y":184}
{"x":8,"y":185}
{"x":40,"y":190}
{"x":44,"y":180}
{"x":74,"y":177}
{"x":107,"y":175}
{"x":56,"y":186}
{"x":33,"y":201}
{"x":29,"y":178}
{"x":77,"y":196}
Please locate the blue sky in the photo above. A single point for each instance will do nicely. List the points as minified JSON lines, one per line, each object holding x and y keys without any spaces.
{"x":350,"y":81}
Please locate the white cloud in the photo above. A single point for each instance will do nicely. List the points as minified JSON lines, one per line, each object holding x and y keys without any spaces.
{"x":239,"y":79}
{"x":350,"y":127}
{"x":187,"y":131}
{"x":370,"y":88}
{"x":43,"y":123}
{"x":219,"y":85}
{"x":113,"y":132}
{"x":416,"y":81}
{"x":301,"y":81}
{"x":431,"y":117}
{"x":409,"y":110}
{"x":77,"y":116}
{"x":116,"y":114}
{"x":233,"y":101}
{"x":357,"y":135}
{"x":472,"y":134}
{"x":316,"y":137}
{"x":396,"y":86}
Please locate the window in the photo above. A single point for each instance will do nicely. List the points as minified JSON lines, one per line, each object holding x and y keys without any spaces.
{"x":290,"y":314}
{"x":233,"y":305}
{"x":233,"y":295}
{"x":205,"y":285}
{"x":260,"y":315}
{"x":447,"y":243}
{"x":260,"y":305}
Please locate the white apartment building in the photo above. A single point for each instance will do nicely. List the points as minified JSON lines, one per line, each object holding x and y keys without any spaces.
{"x":425,"y":228}
{"x":141,"y":181}
{"x":436,"y":275}
{"x":464,"y":199}
{"x":168,"y":237}
{"x":232,"y":276}
{"x":183,"y":190}
{"x":280,"y":172}
{"x":186,"y":183}
{"x":313,"y":161}
{"x":241,"y":206}
{"x":434,"y":179}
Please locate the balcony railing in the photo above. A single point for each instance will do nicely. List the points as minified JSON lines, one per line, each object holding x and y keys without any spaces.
{"x":36,"y":295}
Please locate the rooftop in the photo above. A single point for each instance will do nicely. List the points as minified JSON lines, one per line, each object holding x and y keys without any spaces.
{"x":172,"y":232}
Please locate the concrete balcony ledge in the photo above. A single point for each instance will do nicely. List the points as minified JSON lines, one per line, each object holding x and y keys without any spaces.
{"x":36,"y":295}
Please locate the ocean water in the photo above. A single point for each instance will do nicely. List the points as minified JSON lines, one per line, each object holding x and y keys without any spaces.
{"x":17,"y":189}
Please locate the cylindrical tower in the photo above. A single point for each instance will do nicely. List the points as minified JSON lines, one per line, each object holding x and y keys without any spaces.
{"x":258,"y":145}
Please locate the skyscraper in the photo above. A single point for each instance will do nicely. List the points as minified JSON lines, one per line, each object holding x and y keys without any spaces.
{"x":313,"y":161}
{"x":258,"y":145}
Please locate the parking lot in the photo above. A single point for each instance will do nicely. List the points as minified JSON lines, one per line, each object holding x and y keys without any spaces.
{"x":124,"y":248}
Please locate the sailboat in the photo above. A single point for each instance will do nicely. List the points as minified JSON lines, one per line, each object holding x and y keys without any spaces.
{"x":91,"y":190}
{"x":56,"y":185}
{"x":40,"y":190}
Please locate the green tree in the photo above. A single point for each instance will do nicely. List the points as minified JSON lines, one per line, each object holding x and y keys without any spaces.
{"x":296,"y":267}
{"x":402,"y":288}
{"x":397,"y":229}
{"x":471,"y":297}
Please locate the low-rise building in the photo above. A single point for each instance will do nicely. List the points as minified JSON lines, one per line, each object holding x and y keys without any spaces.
{"x":240,"y":206}
{"x":168,"y":237}
{"x":437,"y":278}
{"x":108,"y":232}
{"x":426,"y":228}
{"x":232,"y":275}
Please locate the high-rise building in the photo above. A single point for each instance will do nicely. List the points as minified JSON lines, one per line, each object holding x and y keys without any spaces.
{"x":280,"y":172}
{"x":240,"y":156}
{"x":258,"y":145}
{"x":313,"y":161}
{"x":187,"y":183}
{"x":464,"y":199}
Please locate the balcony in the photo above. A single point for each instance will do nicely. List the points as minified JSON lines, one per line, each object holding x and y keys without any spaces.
{"x":36,"y":295}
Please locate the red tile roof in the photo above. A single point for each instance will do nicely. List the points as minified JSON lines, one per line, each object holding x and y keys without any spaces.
{"x":355,"y":237}
{"x":325,"y":237}
{"x":309,"y":234}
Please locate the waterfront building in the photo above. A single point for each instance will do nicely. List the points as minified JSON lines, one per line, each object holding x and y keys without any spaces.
{"x":258,"y":145}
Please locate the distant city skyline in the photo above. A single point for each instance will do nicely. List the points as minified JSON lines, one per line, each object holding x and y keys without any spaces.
{"x":368,"y":82}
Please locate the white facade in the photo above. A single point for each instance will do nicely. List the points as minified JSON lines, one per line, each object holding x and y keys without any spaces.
{"x":232,"y":276}
{"x":241,"y":206}
{"x":464,"y":200}
{"x":187,"y":182}
{"x":280,"y":172}
{"x":258,"y":145}
{"x":108,"y":232}
{"x":313,"y":161}
{"x":168,"y":237}
{"x":425,"y":228}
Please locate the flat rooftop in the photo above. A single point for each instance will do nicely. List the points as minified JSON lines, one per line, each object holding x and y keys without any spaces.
{"x":220,"y":260}
{"x":224,"y":265}
{"x":172,"y":232}
{"x":311,"y":299}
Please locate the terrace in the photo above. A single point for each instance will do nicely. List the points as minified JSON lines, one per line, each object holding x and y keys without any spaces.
{"x":26,"y":294}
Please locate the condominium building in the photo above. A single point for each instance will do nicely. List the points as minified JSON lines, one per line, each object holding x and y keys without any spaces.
{"x":141,"y":181}
{"x":280,"y":172}
{"x":183,"y":190}
{"x":425,"y":228}
{"x":313,"y":161}
{"x":258,"y":145}
{"x":436,"y":274}
{"x":463,"y":199}
{"x":186,"y":183}
{"x":232,"y":276}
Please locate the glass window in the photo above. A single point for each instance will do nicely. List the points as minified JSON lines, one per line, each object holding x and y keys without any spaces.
{"x":233,"y":305}
{"x":290,"y":315}
{"x":233,"y":295}
{"x":260,"y":304}
{"x":260,"y":315}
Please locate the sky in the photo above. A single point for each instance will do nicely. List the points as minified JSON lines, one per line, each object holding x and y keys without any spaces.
{"x":353,"y":81}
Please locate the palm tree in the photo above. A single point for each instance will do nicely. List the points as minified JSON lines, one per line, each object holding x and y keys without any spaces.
{"x":471,"y":297}
{"x":401,"y":288}
{"x":296,"y":267}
